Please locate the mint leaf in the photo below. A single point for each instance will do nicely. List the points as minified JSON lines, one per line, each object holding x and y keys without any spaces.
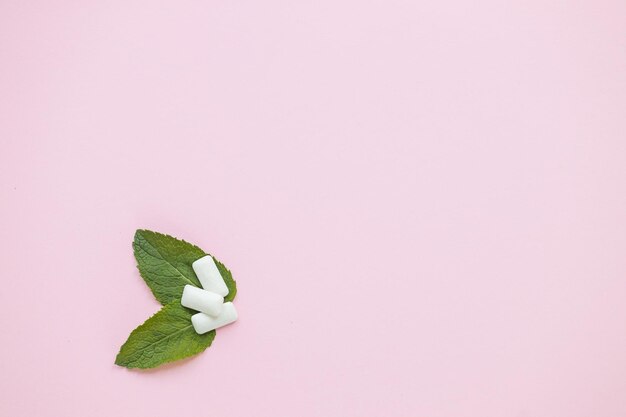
{"x":164,"y":262}
{"x":165,"y":337}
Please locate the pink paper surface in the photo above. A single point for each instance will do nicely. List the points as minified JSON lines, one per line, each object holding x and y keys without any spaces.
{"x":423,"y":203}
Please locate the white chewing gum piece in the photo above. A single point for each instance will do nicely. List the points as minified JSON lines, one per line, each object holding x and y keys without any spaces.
{"x":202,"y":300}
{"x":203,"y":323}
{"x":210,"y":276}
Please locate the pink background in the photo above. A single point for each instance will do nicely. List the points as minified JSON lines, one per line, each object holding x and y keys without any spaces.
{"x":423,"y":203}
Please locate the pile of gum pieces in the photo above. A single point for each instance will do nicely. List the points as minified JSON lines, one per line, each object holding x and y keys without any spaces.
{"x":208,"y":300}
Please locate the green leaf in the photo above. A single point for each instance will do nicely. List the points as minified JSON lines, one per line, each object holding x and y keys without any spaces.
{"x":164,"y":262}
{"x":165,"y":337}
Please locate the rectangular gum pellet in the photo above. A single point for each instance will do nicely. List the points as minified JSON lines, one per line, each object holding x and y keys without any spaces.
{"x":203,"y":323}
{"x":202,"y":300}
{"x":210,"y":276}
